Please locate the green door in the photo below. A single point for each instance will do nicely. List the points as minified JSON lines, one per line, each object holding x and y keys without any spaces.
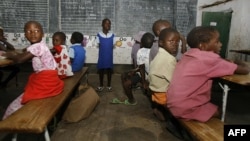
{"x":222,"y":22}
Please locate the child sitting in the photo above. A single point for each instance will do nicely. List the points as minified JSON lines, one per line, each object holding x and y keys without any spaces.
{"x":44,"y":82}
{"x":162,"y":68}
{"x":129,"y":79}
{"x":77,"y":52}
{"x":61,"y":55}
{"x":189,"y":92}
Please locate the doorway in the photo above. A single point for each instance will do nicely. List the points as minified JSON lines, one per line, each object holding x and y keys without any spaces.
{"x":222,"y":22}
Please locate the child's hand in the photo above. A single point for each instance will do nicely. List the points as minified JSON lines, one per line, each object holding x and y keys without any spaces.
{"x":146,"y":85}
{"x":24,"y":50}
{"x":9,"y":54}
{"x":239,"y":62}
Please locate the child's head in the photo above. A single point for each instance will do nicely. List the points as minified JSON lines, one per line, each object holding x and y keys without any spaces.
{"x":205,"y":38}
{"x":58,"y":38}
{"x":106,"y":24}
{"x":147,"y":40}
{"x":159,"y":25}
{"x":33,"y":32}
{"x":76,"y":37}
{"x":169,"y":40}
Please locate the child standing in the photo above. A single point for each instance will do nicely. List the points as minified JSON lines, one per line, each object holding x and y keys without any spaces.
{"x":44,"y":82}
{"x":61,"y":55}
{"x":190,"y":89}
{"x":130,"y":79}
{"x":77,"y":51}
{"x":106,"y":42}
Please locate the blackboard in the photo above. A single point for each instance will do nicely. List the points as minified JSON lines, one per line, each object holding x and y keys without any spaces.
{"x":15,"y":13}
{"x":127,"y":16}
{"x":85,"y":16}
{"x":185,"y":16}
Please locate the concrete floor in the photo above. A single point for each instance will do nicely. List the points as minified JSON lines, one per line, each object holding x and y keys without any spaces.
{"x":110,"y":122}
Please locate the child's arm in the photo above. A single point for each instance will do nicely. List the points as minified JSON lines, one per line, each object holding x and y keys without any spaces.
{"x":242,"y":68}
{"x":19,"y":58}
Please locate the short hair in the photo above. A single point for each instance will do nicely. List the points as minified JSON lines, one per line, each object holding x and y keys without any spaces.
{"x":77,"y":37}
{"x":1,"y":28}
{"x":33,"y":22}
{"x":104,"y":20}
{"x":165,"y":32}
{"x":158,"y":23}
{"x":200,"y":34}
{"x":147,"y":40}
{"x":61,"y":35}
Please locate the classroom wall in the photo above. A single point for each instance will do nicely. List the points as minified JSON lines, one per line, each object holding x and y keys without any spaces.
{"x":122,"y":49}
{"x":240,"y":22}
{"x":127,"y":16}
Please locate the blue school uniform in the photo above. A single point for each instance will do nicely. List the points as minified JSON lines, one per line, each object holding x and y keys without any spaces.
{"x":106,"y":42}
{"x":77,"y":52}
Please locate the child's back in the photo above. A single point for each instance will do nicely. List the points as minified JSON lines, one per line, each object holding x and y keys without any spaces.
{"x":77,"y":52}
{"x":61,"y":55}
{"x":190,"y":89}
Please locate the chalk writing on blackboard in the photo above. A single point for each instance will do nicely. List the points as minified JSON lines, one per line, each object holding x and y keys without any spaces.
{"x":134,"y":15}
{"x":185,"y":17}
{"x":86,"y":16}
{"x":127,"y":16}
{"x":14,"y":14}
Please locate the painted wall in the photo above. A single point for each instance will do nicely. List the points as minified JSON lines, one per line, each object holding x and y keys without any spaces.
{"x":240,"y":23}
{"x":122,"y":50}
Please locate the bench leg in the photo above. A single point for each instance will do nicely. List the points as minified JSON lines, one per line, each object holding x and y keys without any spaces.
{"x":14,"y":138}
{"x":224,"y":100}
{"x":46,"y":135}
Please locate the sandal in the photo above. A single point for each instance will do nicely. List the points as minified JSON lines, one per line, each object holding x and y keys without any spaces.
{"x":126,"y":102}
{"x":99,"y":89}
{"x":109,"y":89}
{"x":116,"y":101}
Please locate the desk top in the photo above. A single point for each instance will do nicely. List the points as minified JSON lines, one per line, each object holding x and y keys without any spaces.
{"x":5,"y":62}
{"x":238,"y":79}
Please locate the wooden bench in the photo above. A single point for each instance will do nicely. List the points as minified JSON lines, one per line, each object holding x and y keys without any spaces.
{"x":34,"y":116}
{"x":212,"y":130}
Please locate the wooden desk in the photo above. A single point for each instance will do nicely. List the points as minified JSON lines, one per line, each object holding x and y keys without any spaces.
{"x":5,"y":62}
{"x":238,"y":79}
{"x":242,"y":51}
{"x":243,"y":80}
